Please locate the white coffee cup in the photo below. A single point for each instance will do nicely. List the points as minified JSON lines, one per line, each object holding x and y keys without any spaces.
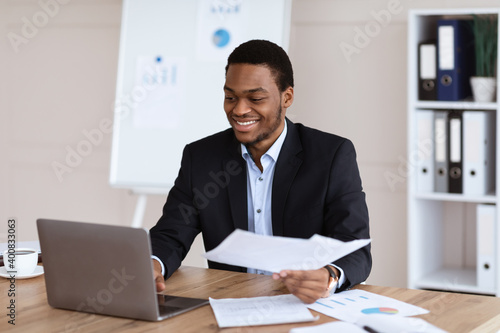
{"x":20,"y":261}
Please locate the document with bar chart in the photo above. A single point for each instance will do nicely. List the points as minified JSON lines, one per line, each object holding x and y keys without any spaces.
{"x":352,"y":305}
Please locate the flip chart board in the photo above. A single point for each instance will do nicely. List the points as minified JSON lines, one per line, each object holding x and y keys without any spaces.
{"x":170,"y":78}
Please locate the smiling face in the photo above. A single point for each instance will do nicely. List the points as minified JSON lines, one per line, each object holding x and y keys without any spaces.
{"x":254,"y":106}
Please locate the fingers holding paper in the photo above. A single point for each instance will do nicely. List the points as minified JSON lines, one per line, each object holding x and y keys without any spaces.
{"x":308,"y":286}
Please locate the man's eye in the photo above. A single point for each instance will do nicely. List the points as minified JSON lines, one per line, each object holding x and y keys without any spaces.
{"x":257,"y":99}
{"x":229,"y":98}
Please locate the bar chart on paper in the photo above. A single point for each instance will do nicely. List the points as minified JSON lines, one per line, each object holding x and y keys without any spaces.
{"x":351,"y":305}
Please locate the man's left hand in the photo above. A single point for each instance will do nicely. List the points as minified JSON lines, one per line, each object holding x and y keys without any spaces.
{"x":309,"y":286}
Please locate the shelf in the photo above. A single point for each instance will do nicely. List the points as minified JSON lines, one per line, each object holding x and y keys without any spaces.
{"x":455,"y":105}
{"x":453,"y":279}
{"x":443,"y":228}
{"x":456,"y":197}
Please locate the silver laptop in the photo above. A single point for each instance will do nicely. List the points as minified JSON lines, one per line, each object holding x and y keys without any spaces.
{"x":104,"y":269}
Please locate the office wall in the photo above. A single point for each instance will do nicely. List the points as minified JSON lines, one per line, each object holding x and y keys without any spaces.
{"x":60,"y":86}
{"x":61,"y":69}
{"x":355,"y":86}
{"x":58,"y":64}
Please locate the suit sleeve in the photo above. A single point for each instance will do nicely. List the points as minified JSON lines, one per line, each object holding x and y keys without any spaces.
{"x":173,"y":235}
{"x":346,"y":213}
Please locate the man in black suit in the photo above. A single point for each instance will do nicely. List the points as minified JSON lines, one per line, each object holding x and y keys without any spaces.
{"x":267,"y":175}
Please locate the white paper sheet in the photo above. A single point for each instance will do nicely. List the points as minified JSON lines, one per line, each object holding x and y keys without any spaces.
{"x":273,"y":253}
{"x":352,"y":305}
{"x":397,"y":324}
{"x":267,"y":310}
{"x":338,"y":326}
{"x":375,"y":323}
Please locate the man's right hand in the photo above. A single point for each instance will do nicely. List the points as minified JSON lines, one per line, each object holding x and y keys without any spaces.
{"x":159,"y":280}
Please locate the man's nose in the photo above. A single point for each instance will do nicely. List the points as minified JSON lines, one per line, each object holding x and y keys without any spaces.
{"x":241,"y":108}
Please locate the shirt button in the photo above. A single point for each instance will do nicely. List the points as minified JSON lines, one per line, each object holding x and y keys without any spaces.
{"x":261,"y":179}
{"x":258,"y":211}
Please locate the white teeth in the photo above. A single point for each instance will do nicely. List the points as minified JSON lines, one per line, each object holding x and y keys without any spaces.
{"x":246,"y":123}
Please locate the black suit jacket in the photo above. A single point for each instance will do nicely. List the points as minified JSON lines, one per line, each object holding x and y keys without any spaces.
{"x":316,"y":189}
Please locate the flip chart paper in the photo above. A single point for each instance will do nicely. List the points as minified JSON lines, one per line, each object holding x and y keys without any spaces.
{"x":159,"y":92}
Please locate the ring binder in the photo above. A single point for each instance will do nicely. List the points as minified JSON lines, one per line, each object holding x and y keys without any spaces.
{"x":427,"y":71}
{"x":440,"y":151}
{"x":478,"y":152}
{"x":455,"y":60}
{"x":455,"y":151}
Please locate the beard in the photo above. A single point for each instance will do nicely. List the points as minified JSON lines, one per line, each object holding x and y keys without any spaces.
{"x":267,"y":133}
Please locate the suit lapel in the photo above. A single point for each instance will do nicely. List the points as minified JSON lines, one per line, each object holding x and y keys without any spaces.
{"x":237,"y":188}
{"x":286,"y":168}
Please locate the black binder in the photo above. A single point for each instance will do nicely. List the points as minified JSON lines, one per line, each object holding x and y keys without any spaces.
{"x":427,"y":71}
{"x":455,"y":152}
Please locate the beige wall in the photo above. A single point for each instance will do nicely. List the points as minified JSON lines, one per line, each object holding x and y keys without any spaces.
{"x":61,"y":83}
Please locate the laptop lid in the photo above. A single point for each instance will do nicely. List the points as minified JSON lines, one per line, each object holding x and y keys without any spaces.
{"x":104,"y":269}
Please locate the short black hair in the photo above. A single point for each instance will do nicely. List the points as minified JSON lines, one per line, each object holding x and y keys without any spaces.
{"x":266,"y":53}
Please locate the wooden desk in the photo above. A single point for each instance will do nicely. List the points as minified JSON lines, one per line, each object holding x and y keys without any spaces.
{"x":449,"y":311}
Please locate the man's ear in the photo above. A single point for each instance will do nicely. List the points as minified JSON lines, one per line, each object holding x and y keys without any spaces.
{"x":287,"y":97}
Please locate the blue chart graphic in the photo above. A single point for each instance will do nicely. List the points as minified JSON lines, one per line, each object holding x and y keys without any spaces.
{"x":221,"y":37}
{"x":389,"y":311}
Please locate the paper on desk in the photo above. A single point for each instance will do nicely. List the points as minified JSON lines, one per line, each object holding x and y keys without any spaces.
{"x":337,"y":326}
{"x":353,"y":305}
{"x":274,"y":253}
{"x":397,"y":324}
{"x":267,"y":310}
{"x":375,"y":322}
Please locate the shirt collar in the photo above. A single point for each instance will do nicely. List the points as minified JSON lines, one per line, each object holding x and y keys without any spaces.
{"x":274,"y":150}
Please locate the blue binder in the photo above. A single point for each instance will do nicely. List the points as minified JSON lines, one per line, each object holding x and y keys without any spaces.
{"x":455,"y":59}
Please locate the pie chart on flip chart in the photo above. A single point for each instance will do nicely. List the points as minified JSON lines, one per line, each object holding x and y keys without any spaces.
{"x":221,"y":37}
{"x":389,"y":311}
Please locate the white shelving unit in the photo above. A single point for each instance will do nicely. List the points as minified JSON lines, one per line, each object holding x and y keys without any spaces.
{"x":442,"y":226}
